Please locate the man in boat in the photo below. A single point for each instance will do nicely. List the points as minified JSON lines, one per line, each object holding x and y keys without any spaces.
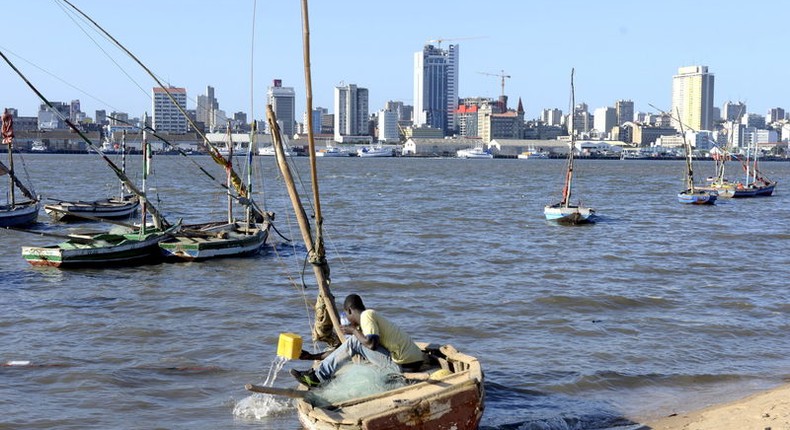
{"x":368,"y":335}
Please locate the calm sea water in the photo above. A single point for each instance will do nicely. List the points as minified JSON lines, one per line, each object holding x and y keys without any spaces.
{"x":657,"y":308}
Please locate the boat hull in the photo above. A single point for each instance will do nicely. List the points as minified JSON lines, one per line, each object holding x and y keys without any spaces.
{"x":697,"y":197}
{"x":455,"y":401}
{"x":215,"y":241}
{"x":569,"y":214}
{"x":112,"y":208}
{"x":100,"y":250}
{"x":473,"y":153}
{"x":375,"y":152}
{"x":19,"y":215}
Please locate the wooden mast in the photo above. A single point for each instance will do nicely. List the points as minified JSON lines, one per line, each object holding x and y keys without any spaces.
{"x":687,"y":148}
{"x":566,"y":191}
{"x":315,"y":246}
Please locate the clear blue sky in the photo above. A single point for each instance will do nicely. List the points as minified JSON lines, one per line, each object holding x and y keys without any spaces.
{"x":620,"y":50}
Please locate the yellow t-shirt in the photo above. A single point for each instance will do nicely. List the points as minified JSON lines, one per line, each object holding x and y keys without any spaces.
{"x":398,"y":343}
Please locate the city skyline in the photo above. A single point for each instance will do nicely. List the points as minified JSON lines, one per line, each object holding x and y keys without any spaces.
{"x":617,"y":53}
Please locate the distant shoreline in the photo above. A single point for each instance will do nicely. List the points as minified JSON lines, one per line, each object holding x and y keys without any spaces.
{"x":499,"y":157}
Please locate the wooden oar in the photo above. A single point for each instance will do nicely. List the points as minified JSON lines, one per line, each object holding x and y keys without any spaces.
{"x":287,"y":392}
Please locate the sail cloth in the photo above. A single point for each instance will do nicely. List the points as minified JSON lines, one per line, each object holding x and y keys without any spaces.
{"x":8,"y":127}
{"x":8,"y":139}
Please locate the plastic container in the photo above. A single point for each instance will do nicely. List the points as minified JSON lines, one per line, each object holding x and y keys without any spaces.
{"x":289,"y":346}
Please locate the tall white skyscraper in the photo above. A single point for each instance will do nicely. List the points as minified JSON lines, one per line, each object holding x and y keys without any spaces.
{"x":351,"y":111}
{"x":692,"y":98}
{"x":436,"y":87}
{"x":166,"y":115}
{"x":283,"y":101}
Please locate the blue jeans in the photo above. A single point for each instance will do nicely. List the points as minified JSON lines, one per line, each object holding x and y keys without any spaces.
{"x":379,"y":357}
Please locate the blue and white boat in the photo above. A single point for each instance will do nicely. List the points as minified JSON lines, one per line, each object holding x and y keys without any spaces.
{"x":564,"y":212}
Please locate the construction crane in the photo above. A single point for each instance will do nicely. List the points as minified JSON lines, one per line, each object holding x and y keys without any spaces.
{"x":501,"y":75}
{"x":439,"y":41}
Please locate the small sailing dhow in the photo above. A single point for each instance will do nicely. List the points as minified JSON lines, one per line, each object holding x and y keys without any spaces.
{"x":15,"y":213}
{"x":564,"y":212}
{"x":692,"y":195}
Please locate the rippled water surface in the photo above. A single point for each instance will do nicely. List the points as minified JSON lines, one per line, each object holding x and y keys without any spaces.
{"x":656,"y":308}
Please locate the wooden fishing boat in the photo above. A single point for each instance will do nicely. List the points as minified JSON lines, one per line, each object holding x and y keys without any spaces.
{"x":15,"y":213}
{"x":448,"y":395}
{"x":216,"y":240}
{"x":123,"y":206}
{"x":453,"y":399}
{"x":101,"y":249}
{"x":225,"y":239}
{"x":564,"y":212}
{"x":109,"y":208}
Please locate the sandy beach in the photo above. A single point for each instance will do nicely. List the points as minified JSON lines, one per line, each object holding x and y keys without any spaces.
{"x":769,"y":410}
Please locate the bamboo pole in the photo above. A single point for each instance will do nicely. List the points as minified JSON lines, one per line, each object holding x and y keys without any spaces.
{"x":316,"y":255}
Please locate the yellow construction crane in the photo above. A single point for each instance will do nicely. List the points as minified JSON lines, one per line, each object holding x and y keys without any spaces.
{"x":501,"y":75}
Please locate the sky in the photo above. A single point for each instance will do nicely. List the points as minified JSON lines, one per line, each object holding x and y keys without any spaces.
{"x":619,"y":50}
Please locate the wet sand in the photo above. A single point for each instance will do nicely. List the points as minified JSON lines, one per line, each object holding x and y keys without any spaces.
{"x":769,"y":410}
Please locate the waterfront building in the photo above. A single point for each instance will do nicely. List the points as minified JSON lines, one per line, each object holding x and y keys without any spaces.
{"x":467,"y":117}
{"x":351,"y":112}
{"x":207,"y":107}
{"x":52,"y":118}
{"x":505,"y":125}
{"x":436,"y":87}
{"x":167,"y":117}
{"x":753,"y":120}
{"x":692,"y":98}
{"x":316,"y":116}
{"x":733,"y":111}
{"x":283,"y":101}
{"x":582,"y":120}
{"x":775,"y":115}
{"x":643,"y":134}
{"x":624,"y":111}
{"x":604,"y":120}
{"x":388,"y":126}
{"x":551,"y":116}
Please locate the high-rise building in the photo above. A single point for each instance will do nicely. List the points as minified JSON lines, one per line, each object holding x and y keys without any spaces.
{"x":316,"y":115}
{"x":388,"y":126}
{"x":207,"y":107}
{"x":101,"y":117}
{"x":775,"y":115}
{"x":624,"y":111}
{"x":351,"y":111}
{"x":166,"y":115}
{"x":733,"y":111}
{"x":283,"y":101}
{"x":604,"y":119}
{"x":551,"y":116}
{"x":692,"y":98}
{"x":436,"y":87}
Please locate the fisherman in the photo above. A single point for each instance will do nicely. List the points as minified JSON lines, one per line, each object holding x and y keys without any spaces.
{"x":368,"y":335}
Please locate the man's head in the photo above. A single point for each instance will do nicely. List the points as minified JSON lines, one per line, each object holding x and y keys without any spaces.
{"x":353,"y":307}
